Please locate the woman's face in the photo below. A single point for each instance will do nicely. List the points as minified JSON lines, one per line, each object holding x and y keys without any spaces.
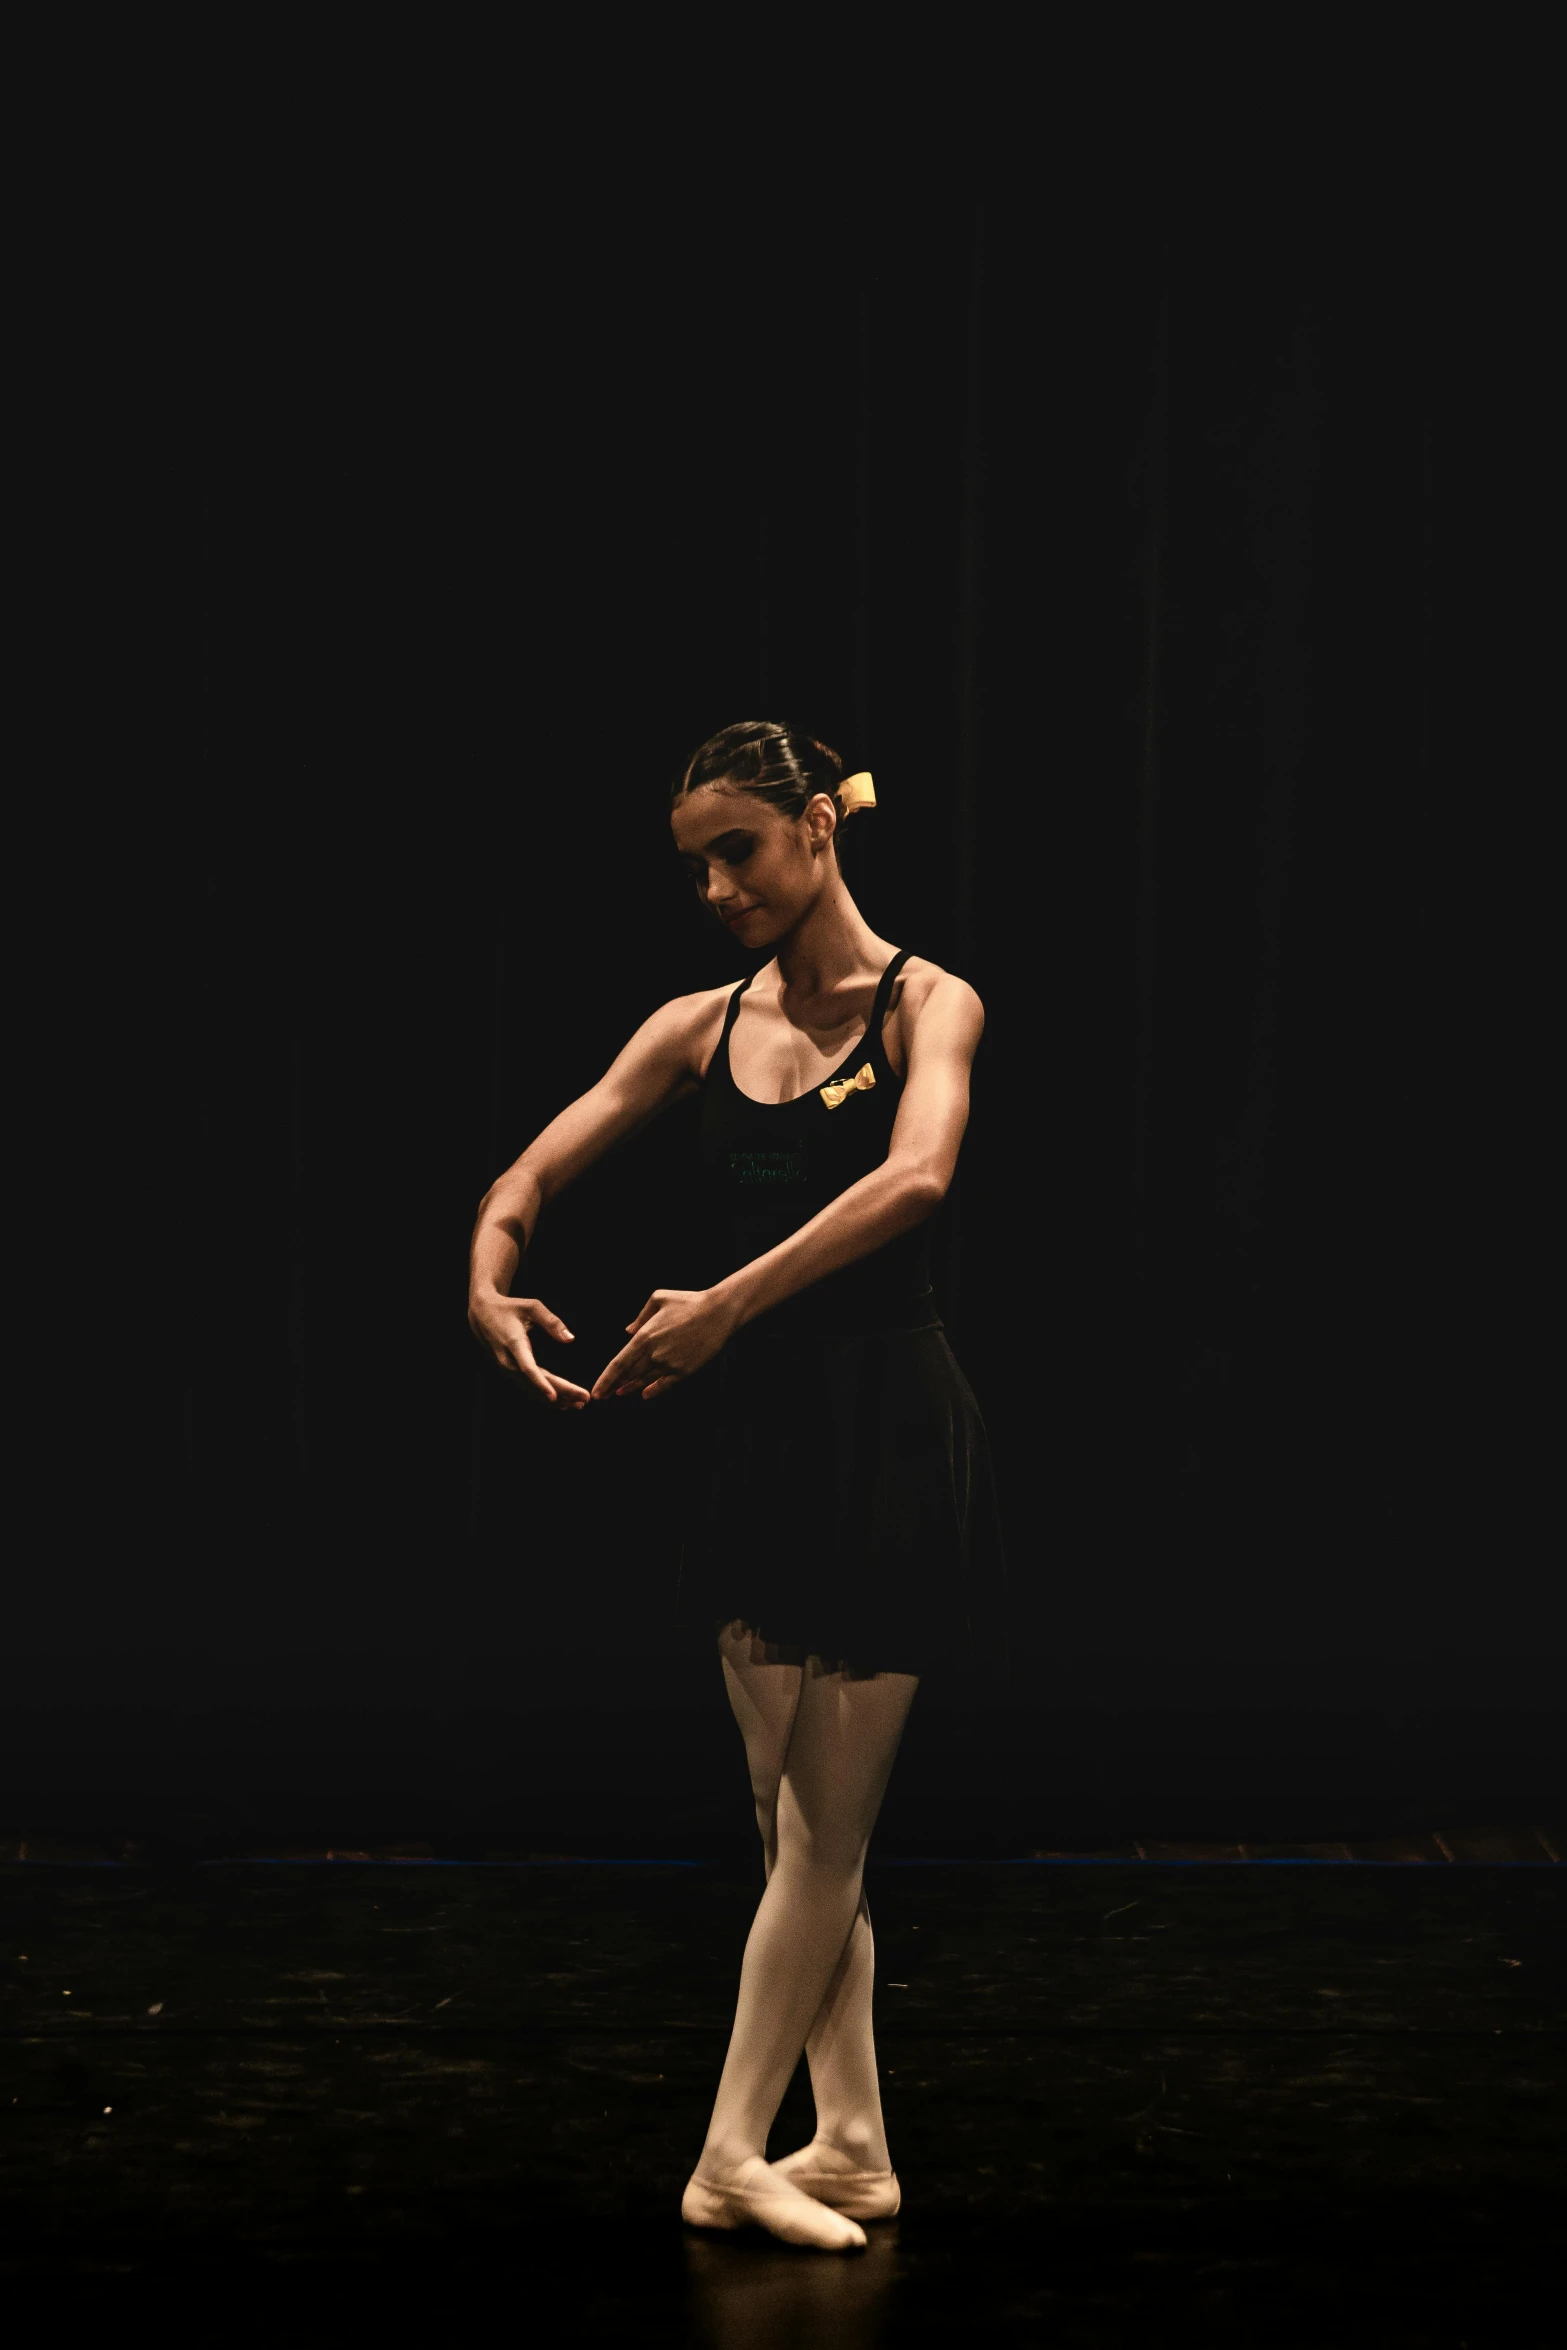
{"x":759,"y":870}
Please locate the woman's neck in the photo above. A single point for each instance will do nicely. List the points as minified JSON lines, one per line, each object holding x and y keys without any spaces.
{"x":830,"y":946}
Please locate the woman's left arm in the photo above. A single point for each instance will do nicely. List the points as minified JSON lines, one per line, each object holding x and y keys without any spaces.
{"x":679,"y":1330}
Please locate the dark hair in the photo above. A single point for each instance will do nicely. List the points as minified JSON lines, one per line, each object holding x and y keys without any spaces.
{"x":780,"y":764}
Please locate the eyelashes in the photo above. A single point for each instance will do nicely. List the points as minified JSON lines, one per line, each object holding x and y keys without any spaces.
{"x":736,"y":856}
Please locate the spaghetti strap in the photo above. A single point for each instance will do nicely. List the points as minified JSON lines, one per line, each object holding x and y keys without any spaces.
{"x":720,"y":1059}
{"x":734,"y":1002}
{"x":884,"y":995}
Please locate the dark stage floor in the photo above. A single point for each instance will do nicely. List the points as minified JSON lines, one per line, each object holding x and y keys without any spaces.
{"x":1129,"y":2100}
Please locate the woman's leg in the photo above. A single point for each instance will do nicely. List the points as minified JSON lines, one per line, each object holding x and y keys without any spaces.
{"x":838,"y":1754}
{"x":840,"y":2047}
{"x":763,"y":1697}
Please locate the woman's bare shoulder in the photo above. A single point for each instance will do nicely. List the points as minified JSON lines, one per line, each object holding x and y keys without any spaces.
{"x":924,"y":992}
{"x":683,"y":1012}
{"x":922,"y":982}
{"x":689,"y":1025}
{"x":700,"y":1003}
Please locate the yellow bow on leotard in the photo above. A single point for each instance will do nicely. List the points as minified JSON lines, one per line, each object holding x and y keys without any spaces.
{"x":841,"y":1087}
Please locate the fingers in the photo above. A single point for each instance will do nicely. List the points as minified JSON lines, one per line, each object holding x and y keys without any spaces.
{"x":541,"y":1318}
{"x":632,"y":1370}
{"x":639,"y":1382}
{"x":628,"y":1374}
{"x":531,"y":1376}
{"x":651,"y":1307}
{"x":517,"y":1358}
{"x":519,"y":1364}
{"x":619,"y":1373}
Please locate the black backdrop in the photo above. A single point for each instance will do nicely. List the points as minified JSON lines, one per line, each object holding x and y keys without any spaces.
{"x":1133,"y":549}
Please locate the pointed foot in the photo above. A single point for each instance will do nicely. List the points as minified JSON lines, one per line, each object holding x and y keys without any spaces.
{"x":757,"y":2197}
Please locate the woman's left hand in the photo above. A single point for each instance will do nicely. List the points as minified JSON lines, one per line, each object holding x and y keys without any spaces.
{"x":677,"y":1331}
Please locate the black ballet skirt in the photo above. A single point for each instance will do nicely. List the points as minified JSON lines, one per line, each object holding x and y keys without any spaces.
{"x":848,"y":1510}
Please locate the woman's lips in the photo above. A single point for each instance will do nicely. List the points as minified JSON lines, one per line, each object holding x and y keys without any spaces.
{"x":742,"y":916}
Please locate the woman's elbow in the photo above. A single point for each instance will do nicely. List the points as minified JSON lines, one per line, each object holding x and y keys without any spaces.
{"x":924,"y":1188}
{"x":512,"y":1196}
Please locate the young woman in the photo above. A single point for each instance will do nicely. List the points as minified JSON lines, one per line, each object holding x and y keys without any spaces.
{"x":849,"y":1523}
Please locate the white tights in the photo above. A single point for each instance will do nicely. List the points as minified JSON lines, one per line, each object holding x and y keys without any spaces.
{"x":820,"y":1749}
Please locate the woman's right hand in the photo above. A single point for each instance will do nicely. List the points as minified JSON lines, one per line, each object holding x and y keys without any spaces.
{"x":504,"y":1327}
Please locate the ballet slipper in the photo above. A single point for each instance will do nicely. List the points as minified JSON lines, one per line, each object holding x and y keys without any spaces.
{"x":858,"y":2194}
{"x":756,"y":2198}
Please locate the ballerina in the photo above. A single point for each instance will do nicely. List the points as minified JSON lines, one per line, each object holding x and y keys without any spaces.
{"x":840,"y":1548}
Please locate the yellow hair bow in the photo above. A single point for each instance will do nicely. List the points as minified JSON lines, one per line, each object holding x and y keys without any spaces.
{"x":841,"y":1087}
{"x":857,"y":791}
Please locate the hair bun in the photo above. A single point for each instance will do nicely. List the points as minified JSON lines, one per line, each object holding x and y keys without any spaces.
{"x":780,"y":764}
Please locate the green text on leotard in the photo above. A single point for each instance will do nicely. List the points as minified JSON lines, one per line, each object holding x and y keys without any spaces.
{"x":767,"y":1168}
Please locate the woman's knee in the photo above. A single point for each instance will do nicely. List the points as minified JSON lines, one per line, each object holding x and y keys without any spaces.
{"x":833,"y":1845}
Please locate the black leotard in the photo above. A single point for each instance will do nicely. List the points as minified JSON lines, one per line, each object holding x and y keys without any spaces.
{"x":850,"y":1511}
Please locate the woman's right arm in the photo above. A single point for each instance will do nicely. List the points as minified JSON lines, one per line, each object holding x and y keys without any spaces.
{"x":662,"y":1061}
